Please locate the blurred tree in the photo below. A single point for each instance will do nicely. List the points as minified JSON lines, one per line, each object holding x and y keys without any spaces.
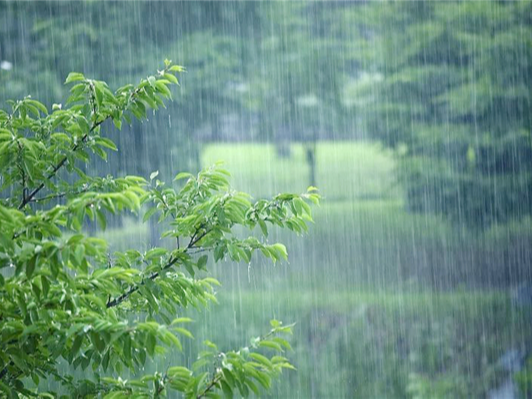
{"x":455,"y":102}
{"x":298,"y":87}
{"x":446,"y":84}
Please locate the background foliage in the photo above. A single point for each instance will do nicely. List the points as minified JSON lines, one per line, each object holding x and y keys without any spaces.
{"x":446,"y":83}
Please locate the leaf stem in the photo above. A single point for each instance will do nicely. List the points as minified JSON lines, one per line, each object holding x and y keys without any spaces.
{"x":118,"y":300}
{"x":59,"y":165}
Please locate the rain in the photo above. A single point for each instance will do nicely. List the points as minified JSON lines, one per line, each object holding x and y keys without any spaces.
{"x":412,"y":119}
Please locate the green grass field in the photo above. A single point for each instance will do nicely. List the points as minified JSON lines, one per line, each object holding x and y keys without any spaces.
{"x":345,"y":170}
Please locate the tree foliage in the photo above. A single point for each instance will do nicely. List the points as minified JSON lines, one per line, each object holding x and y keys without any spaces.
{"x":64,"y":299}
{"x":454,"y":99}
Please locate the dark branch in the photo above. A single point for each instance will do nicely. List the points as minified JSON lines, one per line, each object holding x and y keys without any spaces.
{"x":192,"y":243}
{"x":211,"y":385}
{"x":195,"y":237}
{"x":61,"y":163}
{"x":59,"y":195}
{"x":118,"y":300}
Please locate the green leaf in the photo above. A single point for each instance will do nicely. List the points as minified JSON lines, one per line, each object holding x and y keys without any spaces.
{"x":228,"y":392}
{"x":40,"y":106}
{"x":275,"y":323}
{"x":182,"y":320}
{"x":149,"y":213}
{"x":105,"y":142}
{"x":76,"y":345}
{"x":271,"y":344}
{"x":281,"y":249}
{"x":74,"y":77}
{"x":171,"y":78}
{"x":183,"y":175}
{"x":263,"y":227}
{"x":261,"y":359}
{"x":97,"y":341}
{"x":252,"y":386}
{"x":177,"y":68}
{"x":45,"y":284}
{"x":100,"y":216}
{"x":30,"y":266}
{"x":202,"y":261}
{"x":184,"y":332}
{"x":155,"y":253}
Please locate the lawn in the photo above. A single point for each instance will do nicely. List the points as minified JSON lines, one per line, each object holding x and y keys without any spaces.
{"x":345,"y":170}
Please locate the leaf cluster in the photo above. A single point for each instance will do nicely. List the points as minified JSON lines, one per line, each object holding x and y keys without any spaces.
{"x":65,"y":298}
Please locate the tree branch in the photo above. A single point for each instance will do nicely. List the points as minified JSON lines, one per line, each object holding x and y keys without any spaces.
{"x":192,"y":243}
{"x":59,"y":195}
{"x":78,"y":145}
{"x":61,"y":163}
{"x":118,"y":300}
{"x":211,"y":385}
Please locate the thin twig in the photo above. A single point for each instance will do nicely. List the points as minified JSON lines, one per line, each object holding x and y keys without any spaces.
{"x":61,"y":163}
{"x":76,"y":147}
{"x":59,"y":195}
{"x":196,"y":239}
{"x":211,"y":385}
{"x":118,"y":300}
